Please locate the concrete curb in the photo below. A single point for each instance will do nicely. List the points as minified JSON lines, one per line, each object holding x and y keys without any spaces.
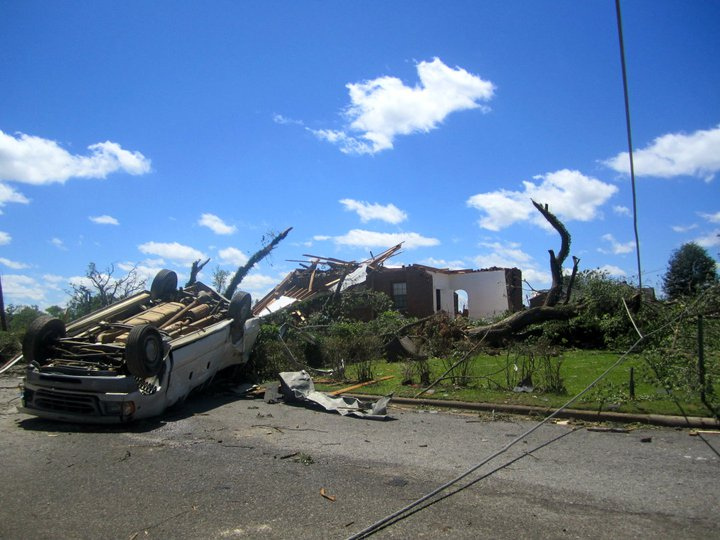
{"x":592,"y":416}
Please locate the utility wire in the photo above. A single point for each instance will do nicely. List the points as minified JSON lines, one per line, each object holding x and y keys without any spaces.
{"x":379,"y":524}
{"x":629,"y":138}
{"x":403,"y":512}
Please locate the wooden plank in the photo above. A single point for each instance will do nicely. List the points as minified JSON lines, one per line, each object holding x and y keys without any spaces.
{"x":356,"y":386}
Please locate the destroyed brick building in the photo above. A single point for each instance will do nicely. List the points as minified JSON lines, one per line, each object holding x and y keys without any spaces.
{"x":420,"y":290}
{"x":416,"y":290}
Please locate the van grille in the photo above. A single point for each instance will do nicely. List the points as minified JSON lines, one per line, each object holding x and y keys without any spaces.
{"x":65,"y":402}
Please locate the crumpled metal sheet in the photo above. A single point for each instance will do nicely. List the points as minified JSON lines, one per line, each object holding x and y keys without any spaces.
{"x":298,"y":386}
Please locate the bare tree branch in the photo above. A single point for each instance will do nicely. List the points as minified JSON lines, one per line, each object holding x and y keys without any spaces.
{"x":556,"y":263}
{"x":195,"y":270}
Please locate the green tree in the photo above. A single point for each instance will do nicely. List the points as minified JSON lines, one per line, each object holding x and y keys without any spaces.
{"x":19,"y":317}
{"x":220,"y":279}
{"x":690,"y":269}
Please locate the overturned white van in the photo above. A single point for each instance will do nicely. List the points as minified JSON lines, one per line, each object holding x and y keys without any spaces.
{"x":137,"y":357}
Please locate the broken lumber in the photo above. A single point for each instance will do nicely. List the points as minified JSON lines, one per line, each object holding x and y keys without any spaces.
{"x":360,"y":385}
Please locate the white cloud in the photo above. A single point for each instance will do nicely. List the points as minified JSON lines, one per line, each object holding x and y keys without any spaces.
{"x":383,"y":108}
{"x":21,"y":289}
{"x":258,"y":283}
{"x":613,"y":270}
{"x":684,"y":228}
{"x":146,"y":270}
{"x":5,"y":238}
{"x":616,"y":247}
{"x":570,"y":195}
{"x":54,"y":282}
{"x":509,"y":255}
{"x":621,"y":210}
{"x":280,"y":119}
{"x":9,"y":195}
{"x":388,"y":213}
{"x":371,"y":239}
{"x":712,"y":218}
{"x":232,"y":256}
{"x":675,"y":154}
{"x":58,"y":244}
{"x":34,"y":160}
{"x":104,"y":220}
{"x":712,"y":239}
{"x":172,"y":250}
{"x":442,"y":263}
{"x":13,"y":264}
{"x":215,"y":224}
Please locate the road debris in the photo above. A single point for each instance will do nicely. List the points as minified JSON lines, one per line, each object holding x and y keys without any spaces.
{"x":325,"y":495}
{"x":608,"y":429}
{"x":297,"y":386}
{"x":359,"y":385}
{"x":697,"y":432}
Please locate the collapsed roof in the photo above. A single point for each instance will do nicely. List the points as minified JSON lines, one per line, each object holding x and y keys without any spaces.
{"x":318,"y":275}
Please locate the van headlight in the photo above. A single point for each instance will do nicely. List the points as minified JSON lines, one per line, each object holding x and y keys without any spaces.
{"x":128,"y":408}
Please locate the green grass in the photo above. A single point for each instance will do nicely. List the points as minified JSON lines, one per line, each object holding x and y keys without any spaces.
{"x":488,"y":383}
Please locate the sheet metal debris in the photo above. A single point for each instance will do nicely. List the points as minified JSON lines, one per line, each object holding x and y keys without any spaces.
{"x":297,"y":386}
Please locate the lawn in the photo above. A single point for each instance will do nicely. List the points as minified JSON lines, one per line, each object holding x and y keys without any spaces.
{"x":490,"y":379}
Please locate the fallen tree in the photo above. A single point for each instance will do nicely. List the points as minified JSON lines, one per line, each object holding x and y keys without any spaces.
{"x":522,"y":319}
{"x":549,"y":311}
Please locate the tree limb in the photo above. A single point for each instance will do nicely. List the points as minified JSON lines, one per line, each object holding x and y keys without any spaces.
{"x":256,"y":258}
{"x":556,"y":263}
{"x":195,"y":270}
{"x":521,"y":319}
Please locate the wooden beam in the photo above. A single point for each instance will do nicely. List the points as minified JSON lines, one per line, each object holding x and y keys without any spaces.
{"x":360,"y":385}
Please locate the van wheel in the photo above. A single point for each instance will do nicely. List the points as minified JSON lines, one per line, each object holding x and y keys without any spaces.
{"x":144,"y":351}
{"x":40,"y":337}
{"x":164,"y":286}
{"x":240,"y":308}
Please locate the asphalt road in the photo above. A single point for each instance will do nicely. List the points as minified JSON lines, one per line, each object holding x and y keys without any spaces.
{"x":223,"y":467}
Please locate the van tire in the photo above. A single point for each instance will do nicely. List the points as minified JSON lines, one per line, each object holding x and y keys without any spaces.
{"x":40,"y":337}
{"x":144,"y":351}
{"x":164,"y":286}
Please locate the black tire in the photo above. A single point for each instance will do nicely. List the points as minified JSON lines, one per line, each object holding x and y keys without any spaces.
{"x":40,"y":337}
{"x":164,"y":286}
{"x":240,"y":308}
{"x":144,"y":351}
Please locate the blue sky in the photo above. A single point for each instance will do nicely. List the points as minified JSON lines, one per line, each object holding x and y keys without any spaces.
{"x":151,"y":134}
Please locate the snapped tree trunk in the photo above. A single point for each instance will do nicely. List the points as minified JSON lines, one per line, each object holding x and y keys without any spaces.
{"x":556,"y":262}
{"x":256,"y":258}
{"x":549,"y":311}
{"x":3,"y":319}
{"x":195,"y":270}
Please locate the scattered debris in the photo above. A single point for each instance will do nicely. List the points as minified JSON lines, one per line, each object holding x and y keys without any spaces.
{"x":646,"y":439}
{"x":359,"y":385}
{"x":608,"y":429}
{"x":246,"y":390}
{"x":328,"y":497}
{"x":297,"y":386}
{"x":696,"y":432}
{"x":305,"y":459}
{"x":319,"y":275}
